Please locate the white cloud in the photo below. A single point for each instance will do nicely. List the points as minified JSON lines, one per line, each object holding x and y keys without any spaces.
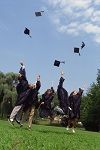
{"x":70,"y":3}
{"x":75,"y":16}
{"x":97,"y":2}
{"x":97,"y":38}
{"x":96,"y":16}
{"x":90,"y":28}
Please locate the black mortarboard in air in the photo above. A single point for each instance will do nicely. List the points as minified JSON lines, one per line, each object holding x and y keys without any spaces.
{"x":76,"y":50}
{"x":27,"y":31}
{"x":83,"y":44}
{"x":39,"y":13}
{"x":57,"y":63}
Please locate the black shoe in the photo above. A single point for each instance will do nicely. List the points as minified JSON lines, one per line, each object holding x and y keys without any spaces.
{"x":17,"y":121}
{"x":21,"y":125}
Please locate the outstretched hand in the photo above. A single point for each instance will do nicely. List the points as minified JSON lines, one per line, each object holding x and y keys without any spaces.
{"x":38,"y":77}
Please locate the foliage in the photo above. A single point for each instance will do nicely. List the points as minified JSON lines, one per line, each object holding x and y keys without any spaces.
{"x":90,"y":107}
{"x":7,"y":92}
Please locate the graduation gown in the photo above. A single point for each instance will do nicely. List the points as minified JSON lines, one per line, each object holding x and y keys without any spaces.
{"x":31,"y":97}
{"x":74,"y":104}
{"x":62,"y":96}
{"x":47,"y":98}
{"x":21,"y":89}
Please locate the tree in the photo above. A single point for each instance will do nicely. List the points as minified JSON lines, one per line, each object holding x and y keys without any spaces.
{"x":7,"y":91}
{"x":90,"y":108}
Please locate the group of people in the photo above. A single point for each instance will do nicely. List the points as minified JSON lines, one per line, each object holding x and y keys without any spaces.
{"x":28,"y":102}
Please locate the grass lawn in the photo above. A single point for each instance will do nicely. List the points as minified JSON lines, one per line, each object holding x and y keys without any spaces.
{"x":43,"y":137}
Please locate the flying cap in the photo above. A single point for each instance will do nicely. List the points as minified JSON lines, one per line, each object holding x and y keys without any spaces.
{"x":27,"y":31}
{"x":57,"y":63}
{"x":39,"y":13}
{"x":76,"y":50}
{"x":83,"y":44}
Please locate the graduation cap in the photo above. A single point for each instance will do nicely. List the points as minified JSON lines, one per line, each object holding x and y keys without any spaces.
{"x":77,"y":50}
{"x":39,"y":13}
{"x":27,"y":31}
{"x":57,"y":63}
{"x":83,"y":44}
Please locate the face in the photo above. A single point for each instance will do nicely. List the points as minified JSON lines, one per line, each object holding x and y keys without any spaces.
{"x":75,"y":92}
{"x":34,"y":85}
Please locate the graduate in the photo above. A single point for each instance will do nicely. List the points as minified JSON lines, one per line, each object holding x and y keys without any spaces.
{"x":46,"y":101}
{"x":62,"y":95}
{"x":30,"y":103}
{"x":74,"y":108}
{"x":21,"y":88}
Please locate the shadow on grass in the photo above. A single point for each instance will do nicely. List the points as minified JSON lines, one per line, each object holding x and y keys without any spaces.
{"x":56,"y":132}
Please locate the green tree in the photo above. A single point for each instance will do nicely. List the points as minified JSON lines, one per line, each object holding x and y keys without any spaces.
{"x":90,"y":107}
{"x":7,"y":91}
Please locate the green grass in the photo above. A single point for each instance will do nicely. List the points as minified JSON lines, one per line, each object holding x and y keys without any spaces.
{"x":46,"y":138}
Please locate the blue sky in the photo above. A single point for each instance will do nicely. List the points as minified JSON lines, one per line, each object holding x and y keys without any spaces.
{"x":63,"y":26}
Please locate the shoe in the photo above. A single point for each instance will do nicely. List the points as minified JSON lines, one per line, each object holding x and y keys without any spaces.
{"x":67,"y":128}
{"x":29,"y":128}
{"x":21,"y":125}
{"x":73,"y":130}
{"x":17,"y":121}
{"x":11,"y":121}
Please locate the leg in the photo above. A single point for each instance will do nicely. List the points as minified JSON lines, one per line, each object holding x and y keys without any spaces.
{"x":14,"y":112}
{"x":73,"y":125}
{"x":51,"y":118}
{"x":31,"y":116}
{"x":68,"y":126}
{"x":19,"y":115}
{"x":24,"y":117}
{"x":35,"y":114}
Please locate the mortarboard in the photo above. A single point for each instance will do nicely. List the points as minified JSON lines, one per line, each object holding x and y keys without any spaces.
{"x":83,"y":44}
{"x":39,"y":13}
{"x":76,"y":50}
{"x":57,"y":63}
{"x":27,"y":31}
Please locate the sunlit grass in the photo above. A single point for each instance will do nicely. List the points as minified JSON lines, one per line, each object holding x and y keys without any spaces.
{"x":42,"y":137}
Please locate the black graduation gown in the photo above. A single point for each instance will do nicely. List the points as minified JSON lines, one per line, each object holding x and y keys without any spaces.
{"x":31,"y":97}
{"x":74,"y":104}
{"x":22,"y":71}
{"x":47,"y":98}
{"x":21,"y":89}
{"x":62,"y":96}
